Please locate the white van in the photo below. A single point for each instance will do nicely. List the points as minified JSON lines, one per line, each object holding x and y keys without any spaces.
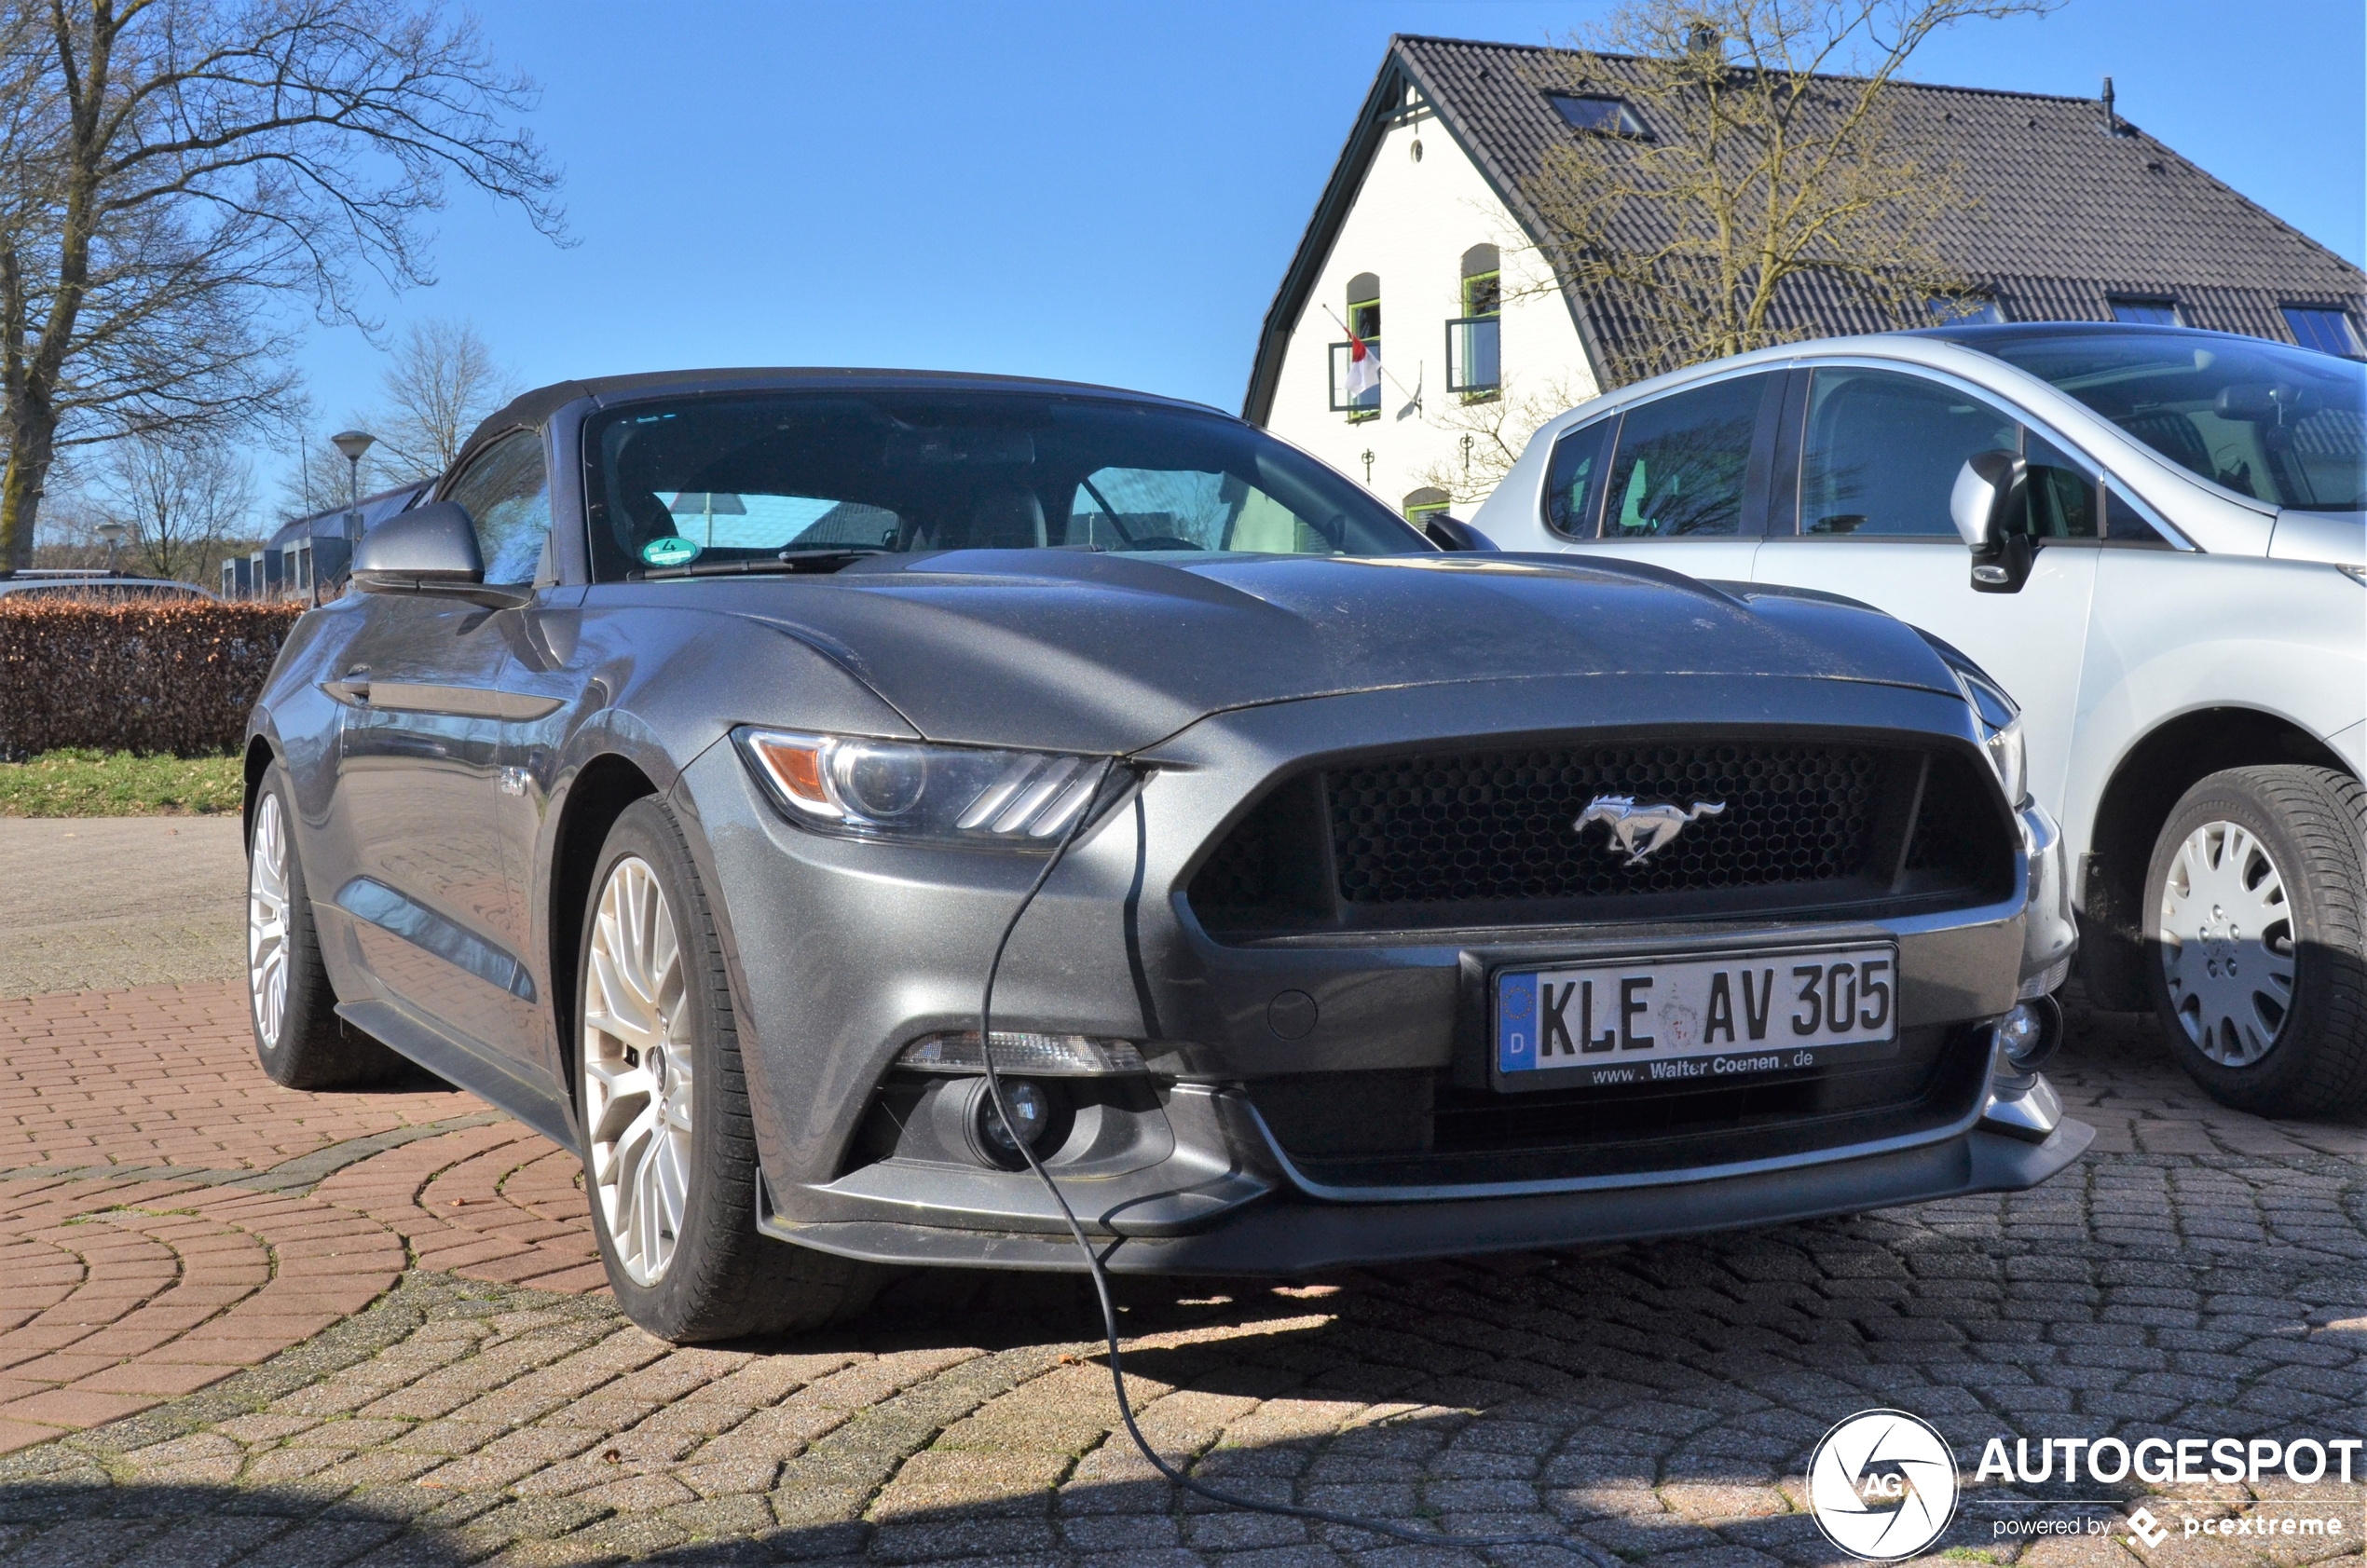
{"x":2168,"y":571}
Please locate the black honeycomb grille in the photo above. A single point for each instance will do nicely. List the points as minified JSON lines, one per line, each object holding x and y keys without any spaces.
{"x":1497,"y":824}
{"x":1238,"y":876}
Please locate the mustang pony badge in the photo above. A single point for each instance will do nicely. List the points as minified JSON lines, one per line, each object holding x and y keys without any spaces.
{"x":1643,"y":831}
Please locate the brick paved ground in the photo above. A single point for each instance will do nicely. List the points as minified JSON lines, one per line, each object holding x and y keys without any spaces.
{"x":239,"y":1324}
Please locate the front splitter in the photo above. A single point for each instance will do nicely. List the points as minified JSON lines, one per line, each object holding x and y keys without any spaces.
{"x":1283,"y":1235}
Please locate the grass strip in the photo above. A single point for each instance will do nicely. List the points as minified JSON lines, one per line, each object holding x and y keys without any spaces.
{"x":82,"y":782}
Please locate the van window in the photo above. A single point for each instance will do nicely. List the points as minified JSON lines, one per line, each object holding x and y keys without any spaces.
{"x":1679,"y":468}
{"x":1881,"y":450}
{"x":1578,"y":457}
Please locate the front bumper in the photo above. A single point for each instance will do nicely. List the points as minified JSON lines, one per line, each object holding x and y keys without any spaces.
{"x":1287,"y":1233}
{"x":843,"y":953}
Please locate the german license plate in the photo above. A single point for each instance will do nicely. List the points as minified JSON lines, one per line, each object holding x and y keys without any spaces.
{"x":1695,"y":1021}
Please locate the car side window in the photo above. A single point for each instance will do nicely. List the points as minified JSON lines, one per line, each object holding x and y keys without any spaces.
{"x":1578,"y":459}
{"x":1680,"y":467}
{"x":1881,"y":451}
{"x":507,"y":493}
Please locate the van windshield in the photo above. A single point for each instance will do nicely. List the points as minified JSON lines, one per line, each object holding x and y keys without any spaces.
{"x":701,"y":483}
{"x":2282,"y":425}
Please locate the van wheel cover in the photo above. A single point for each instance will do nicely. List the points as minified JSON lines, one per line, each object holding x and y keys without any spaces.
{"x":2228,"y":944}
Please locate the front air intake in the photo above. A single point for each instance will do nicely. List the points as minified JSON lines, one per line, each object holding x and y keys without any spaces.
{"x":1499,"y":825}
{"x":1500,"y":836}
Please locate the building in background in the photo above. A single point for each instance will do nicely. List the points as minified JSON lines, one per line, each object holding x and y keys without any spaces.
{"x":310,"y":550}
{"x":1423,"y":248}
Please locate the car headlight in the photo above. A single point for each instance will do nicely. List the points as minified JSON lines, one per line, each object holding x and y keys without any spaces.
{"x":873,"y":788}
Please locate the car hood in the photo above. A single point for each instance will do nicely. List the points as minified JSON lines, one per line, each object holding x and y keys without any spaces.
{"x":1110,"y":653}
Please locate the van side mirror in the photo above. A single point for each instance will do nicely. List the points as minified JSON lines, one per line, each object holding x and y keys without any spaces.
{"x":431,"y":549}
{"x":1990,"y":498}
{"x":1449,"y":533}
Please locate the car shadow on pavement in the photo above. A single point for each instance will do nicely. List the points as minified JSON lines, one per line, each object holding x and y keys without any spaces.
{"x":1660,"y":1400}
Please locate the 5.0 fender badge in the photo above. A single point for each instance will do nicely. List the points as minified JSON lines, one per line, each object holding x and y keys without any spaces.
{"x":1643,"y":831}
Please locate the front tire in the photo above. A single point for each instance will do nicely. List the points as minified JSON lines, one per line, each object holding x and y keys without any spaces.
{"x":300,"y":1040}
{"x":669,"y":1151}
{"x":2256,"y":912}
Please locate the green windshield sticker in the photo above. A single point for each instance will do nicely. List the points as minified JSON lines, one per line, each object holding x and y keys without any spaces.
{"x":670,"y":551}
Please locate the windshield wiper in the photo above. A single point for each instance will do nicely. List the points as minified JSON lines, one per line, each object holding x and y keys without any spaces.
{"x":787,"y":562}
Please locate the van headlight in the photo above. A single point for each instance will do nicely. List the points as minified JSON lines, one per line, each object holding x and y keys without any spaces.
{"x":2000,"y":723}
{"x":871,"y":788}
{"x":2005,"y":749}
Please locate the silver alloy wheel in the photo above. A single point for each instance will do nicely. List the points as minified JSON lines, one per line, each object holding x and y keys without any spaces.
{"x":267,"y":918}
{"x":637,"y":1070}
{"x":2227,"y":943}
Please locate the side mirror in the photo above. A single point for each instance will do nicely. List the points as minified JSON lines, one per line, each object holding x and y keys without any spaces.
{"x":1989,"y":499}
{"x":1449,"y":533}
{"x":431,"y":549}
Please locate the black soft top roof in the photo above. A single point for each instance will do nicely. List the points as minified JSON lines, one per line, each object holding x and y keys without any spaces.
{"x":532,"y":408}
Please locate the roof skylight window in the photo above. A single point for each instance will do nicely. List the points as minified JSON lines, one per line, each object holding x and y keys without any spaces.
{"x":1964,"y":310}
{"x":1608,"y":116}
{"x":2147,"y":312}
{"x":2329,"y":331}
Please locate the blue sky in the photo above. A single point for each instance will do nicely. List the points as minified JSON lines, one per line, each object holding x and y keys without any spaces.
{"x":1110,"y":192}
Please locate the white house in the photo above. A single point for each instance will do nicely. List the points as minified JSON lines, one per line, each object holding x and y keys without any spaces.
{"x":1423,"y":247}
{"x":1421,"y":241}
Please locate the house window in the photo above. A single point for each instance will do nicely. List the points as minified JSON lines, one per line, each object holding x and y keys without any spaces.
{"x":1474,"y":366}
{"x":2329,"y":331}
{"x":1364,"y":306}
{"x":1422,"y":505}
{"x":1608,"y":117}
{"x":1960,"y":310}
{"x":1356,"y":377}
{"x":2146,"y":312}
{"x":1483,"y":275}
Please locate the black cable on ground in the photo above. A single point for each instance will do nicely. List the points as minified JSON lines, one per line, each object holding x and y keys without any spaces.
{"x":1101,"y":1280}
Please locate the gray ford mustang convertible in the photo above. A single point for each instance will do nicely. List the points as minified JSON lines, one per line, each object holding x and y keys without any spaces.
{"x":675,"y":772}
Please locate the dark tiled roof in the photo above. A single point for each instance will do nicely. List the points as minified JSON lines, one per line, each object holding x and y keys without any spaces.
{"x":2063,"y":216}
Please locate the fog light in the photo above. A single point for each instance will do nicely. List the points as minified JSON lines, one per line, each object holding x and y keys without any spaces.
{"x":997,"y":1141}
{"x":1044,"y":1056}
{"x":2031,"y":1033}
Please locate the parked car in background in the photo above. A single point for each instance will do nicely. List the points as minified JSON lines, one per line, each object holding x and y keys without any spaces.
{"x":2168,"y":573}
{"x":103,"y":586}
{"x":680,"y":771}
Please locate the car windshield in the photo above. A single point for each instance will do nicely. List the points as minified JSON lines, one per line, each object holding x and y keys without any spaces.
{"x":2285,"y":426}
{"x":711,"y":481}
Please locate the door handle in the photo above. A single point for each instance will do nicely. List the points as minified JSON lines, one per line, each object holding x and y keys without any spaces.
{"x":352,"y":688}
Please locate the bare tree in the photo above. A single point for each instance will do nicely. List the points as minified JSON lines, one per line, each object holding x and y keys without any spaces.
{"x":1765,"y":159}
{"x":1493,"y":431}
{"x":168,"y":168}
{"x":178,"y":499}
{"x":443,"y":380}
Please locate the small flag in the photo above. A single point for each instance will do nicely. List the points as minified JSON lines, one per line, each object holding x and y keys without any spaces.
{"x":1363,"y":367}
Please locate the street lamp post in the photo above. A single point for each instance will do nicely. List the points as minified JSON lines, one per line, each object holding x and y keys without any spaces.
{"x":113,"y":533}
{"x":351,"y":443}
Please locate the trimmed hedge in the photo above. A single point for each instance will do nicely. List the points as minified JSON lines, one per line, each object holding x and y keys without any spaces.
{"x":174,"y":677}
